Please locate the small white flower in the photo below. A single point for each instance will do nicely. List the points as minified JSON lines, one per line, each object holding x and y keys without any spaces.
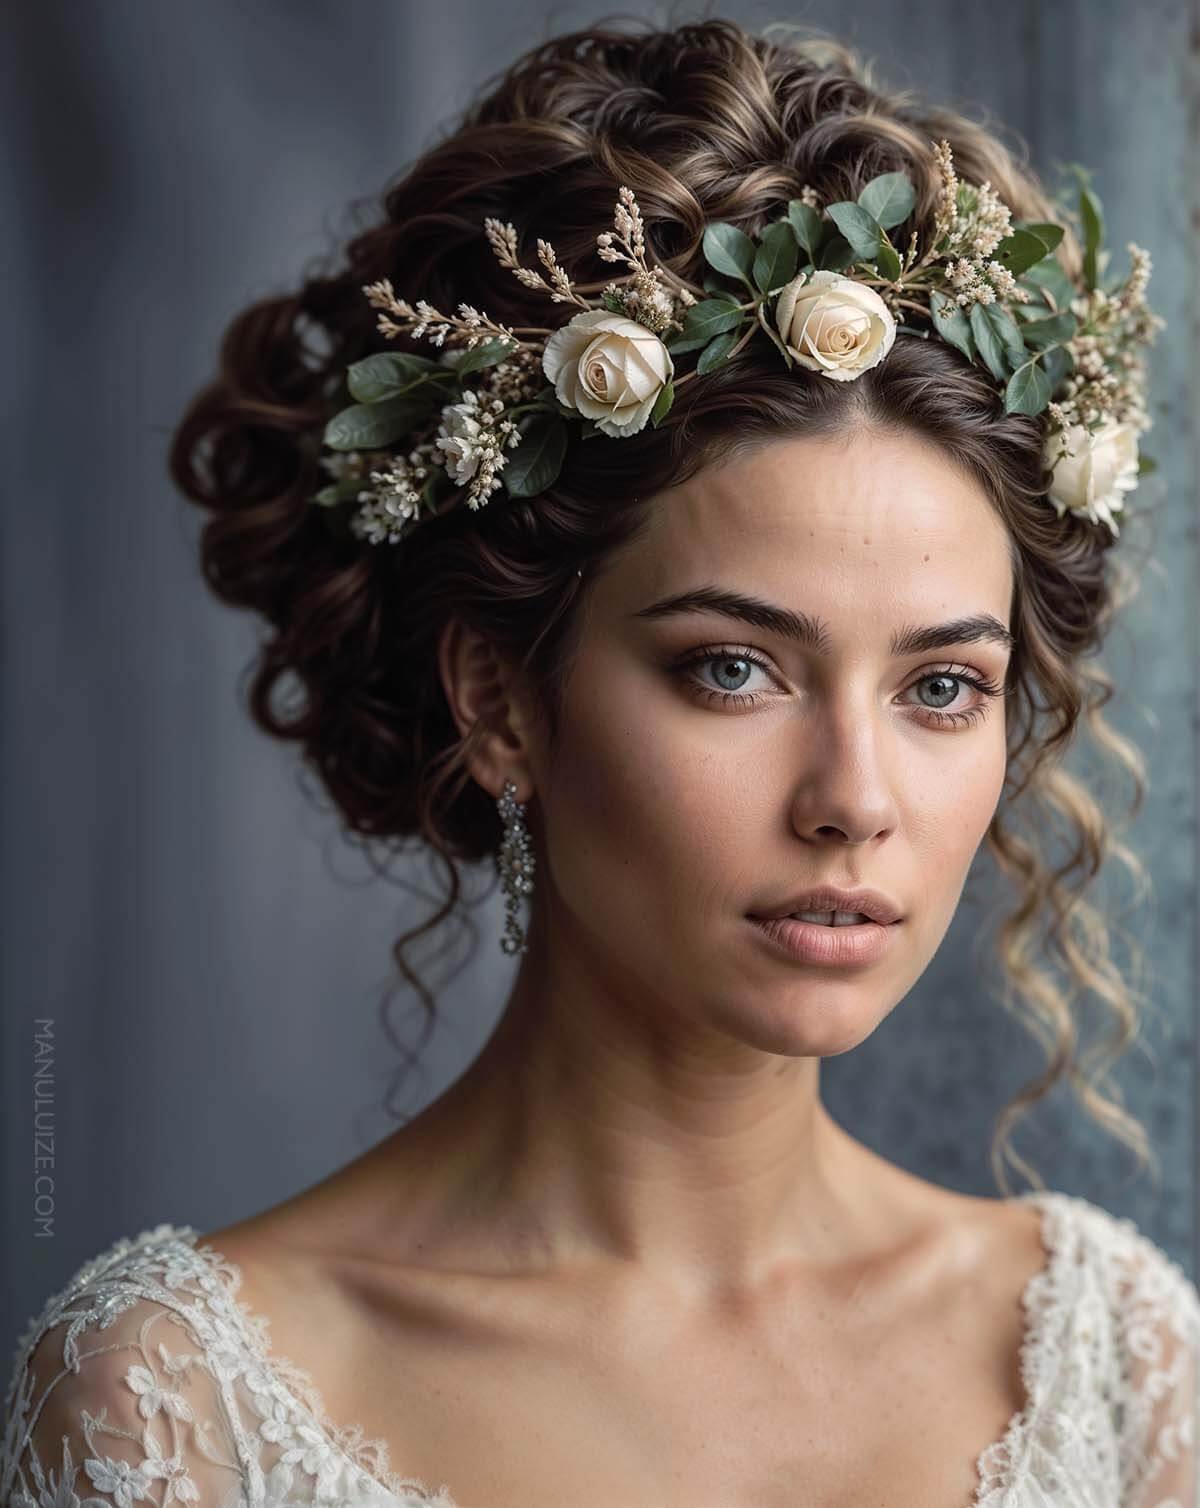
{"x":1097,"y":468}
{"x":180,"y":1486}
{"x":123,"y":1481}
{"x":833,"y":325}
{"x":152,"y":1397}
{"x":458,"y":438}
{"x":312,"y":1452}
{"x":277,"y":1424}
{"x":609,"y":368}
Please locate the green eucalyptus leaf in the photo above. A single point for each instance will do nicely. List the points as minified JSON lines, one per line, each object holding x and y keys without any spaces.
{"x":1057,"y":362}
{"x":1052,"y":331}
{"x":888,"y":260}
{"x":679,"y":345}
{"x":1020,"y":251}
{"x":662,"y":404}
{"x":549,"y":399}
{"x":1050,"y":279}
{"x":536,"y":462}
{"x":988,"y":340}
{"x":729,"y":250}
{"x":889,"y":199}
{"x":344,"y":490}
{"x":951,"y":323}
{"x":837,"y":255}
{"x":776,"y":257}
{"x":999,"y":316}
{"x":390,"y":374}
{"x":1045,"y":230}
{"x":1092,"y":215}
{"x":1028,"y":389}
{"x":860,"y":228}
{"x":713,"y":283}
{"x":807,"y":226}
{"x":716,"y":351}
{"x":372,"y":426}
{"x":488,"y":353}
{"x":712,"y":316}
{"x":1034,"y":308}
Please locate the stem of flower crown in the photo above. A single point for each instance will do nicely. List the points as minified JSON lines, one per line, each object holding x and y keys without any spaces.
{"x":687,"y":377}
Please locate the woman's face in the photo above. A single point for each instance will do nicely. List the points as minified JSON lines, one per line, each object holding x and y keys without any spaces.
{"x":668,"y":815}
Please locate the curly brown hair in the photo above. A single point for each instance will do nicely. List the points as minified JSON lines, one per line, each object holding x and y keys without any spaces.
{"x":704,"y":122}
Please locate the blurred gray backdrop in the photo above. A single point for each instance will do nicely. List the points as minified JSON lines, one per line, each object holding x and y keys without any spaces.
{"x":209,"y":954}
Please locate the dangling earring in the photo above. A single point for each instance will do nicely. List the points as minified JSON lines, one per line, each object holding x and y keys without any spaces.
{"x":515,"y":864}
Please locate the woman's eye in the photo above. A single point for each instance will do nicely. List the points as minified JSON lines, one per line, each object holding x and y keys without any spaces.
{"x":720,"y":674}
{"x":946,"y":705}
{"x":732,"y":669}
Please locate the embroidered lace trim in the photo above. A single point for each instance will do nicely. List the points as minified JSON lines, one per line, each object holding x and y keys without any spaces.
{"x":1109,"y":1363}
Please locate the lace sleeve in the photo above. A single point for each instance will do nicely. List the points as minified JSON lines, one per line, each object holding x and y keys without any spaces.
{"x":1159,"y":1323}
{"x":116,"y":1405}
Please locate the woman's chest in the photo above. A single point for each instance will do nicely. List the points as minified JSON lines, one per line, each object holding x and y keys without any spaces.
{"x":817,"y":1410}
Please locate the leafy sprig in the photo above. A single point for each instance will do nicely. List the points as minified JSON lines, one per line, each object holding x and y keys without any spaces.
{"x":992,"y":288}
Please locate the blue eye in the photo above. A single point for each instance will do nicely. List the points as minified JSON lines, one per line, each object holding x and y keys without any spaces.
{"x":726,"y":661}
{"x":728,"y":665}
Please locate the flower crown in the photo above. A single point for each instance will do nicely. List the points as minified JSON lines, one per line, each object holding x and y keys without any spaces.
{"x":828,"y":288}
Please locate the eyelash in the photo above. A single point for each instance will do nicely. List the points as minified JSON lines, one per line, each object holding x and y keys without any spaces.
{"x":933,"y":715}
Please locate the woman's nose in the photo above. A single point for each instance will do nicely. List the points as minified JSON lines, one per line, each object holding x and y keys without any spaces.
{"x":845,"y":791}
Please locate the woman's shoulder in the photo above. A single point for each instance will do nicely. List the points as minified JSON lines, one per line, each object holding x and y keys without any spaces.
{"x":1130,"y":1269}
{"x":145,"y":1378}
{"x":1120,"y":1338}
{"x":114,"y":1381}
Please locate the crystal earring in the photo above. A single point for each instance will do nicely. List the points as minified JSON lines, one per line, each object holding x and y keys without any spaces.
{"x":515,"y":864}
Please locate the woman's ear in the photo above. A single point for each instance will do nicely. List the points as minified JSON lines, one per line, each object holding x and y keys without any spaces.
{"x":486,"y":693}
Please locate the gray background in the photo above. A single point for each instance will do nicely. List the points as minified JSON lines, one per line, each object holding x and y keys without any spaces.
{"x":211,"y":953}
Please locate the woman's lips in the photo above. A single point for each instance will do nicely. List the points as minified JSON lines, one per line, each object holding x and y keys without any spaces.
{"x":817,"y":943}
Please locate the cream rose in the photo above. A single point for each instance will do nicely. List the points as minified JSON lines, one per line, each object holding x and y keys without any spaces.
{"x":609,"y":368}
{"x":1101,"y":465}
{"x":833,"y":325}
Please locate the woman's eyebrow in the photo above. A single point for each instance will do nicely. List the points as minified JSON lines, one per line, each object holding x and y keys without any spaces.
{"x":809,"y":631}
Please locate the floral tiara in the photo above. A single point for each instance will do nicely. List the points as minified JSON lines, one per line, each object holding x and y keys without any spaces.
{"x":828,"y":288}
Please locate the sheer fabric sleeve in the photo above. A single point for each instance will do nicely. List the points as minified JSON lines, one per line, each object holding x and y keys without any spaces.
{"x":115,"y":1405}
{"x":1158,"y":1319}
{"x":146,"y":1382}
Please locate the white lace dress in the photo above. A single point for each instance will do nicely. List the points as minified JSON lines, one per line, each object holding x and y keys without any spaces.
{"x":147,"y":1380}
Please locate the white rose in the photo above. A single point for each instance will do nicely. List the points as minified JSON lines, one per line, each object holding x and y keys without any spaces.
{"x":457,"y":439}
{"x":609,"y":368}
{"x":1102,"y":464}
{"x":833,"y":325}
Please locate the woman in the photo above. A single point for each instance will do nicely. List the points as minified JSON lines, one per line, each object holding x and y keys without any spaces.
{"x":784,"y":635}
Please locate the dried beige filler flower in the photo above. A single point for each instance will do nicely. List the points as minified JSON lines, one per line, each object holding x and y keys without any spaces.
{"x":826,"y":284}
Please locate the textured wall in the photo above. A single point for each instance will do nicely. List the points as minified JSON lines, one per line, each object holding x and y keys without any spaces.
{"x":211,"y":955}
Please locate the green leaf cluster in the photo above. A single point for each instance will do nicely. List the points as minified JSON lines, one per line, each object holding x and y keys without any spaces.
{"x":398,"y":391}
{"x":802,"y":241}
{"x":1029,"y":356}
{"x":1025,"y":348}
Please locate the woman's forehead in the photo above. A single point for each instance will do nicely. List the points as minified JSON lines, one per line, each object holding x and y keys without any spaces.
{"x":887,"y":521}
